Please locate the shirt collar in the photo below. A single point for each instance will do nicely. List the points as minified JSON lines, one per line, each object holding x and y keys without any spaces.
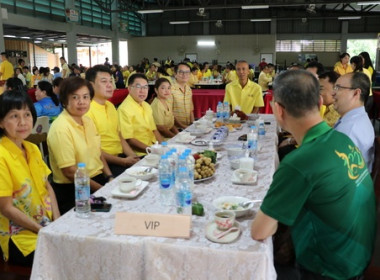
{"x":353,"y":112}
{"x":316,"y":131}
{"x":15,"y":151}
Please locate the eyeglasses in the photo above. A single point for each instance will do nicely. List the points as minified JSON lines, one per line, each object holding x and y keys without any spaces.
{"x":180,"y":72}
{"x":338,"y":87}
{"x":138,"y":86}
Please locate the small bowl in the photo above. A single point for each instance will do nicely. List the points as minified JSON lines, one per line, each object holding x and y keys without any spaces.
{"x":152,"y":158}
{"x":140,"y":173}
{"x":127,"y":184}
{"x":235,"y":151}
{"x":235,"y":163}
{"x":227,"y":202}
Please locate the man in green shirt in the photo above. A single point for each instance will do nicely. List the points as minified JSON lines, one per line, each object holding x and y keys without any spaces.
{"x":322,"y":190}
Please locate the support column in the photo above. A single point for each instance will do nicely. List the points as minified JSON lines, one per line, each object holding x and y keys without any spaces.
{"x":71,"y":37}
{"x":344,"y":36}
{"x":2,"y":44}
{"x":273,"y":32}
{"x":115,"y":35}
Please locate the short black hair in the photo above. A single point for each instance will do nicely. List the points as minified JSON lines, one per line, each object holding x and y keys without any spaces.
{"x":297,"y":91}
{"x":136,"y":76}
{"x":160,"y":81}
{"x":14,"y":84}
{"x":332,"y":76}
{"x":14,"y":99}
{"x":358,"y":61}
{"x":315,"y":64}
{"x":361,"y":81}
{"x":48,"y":88}
{"x":343,"y":55}
{"x":93,"y":71}
{"x":4,"y":54}
{"x":181,"y":63}
{"x":57,"y":81}
{"x":71,"y":85}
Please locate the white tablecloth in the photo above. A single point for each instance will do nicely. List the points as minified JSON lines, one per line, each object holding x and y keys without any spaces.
{"x":73,"y":248}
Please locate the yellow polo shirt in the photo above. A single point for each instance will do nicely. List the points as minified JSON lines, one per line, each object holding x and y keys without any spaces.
{"x":68,"y":71}
{"x":232,"y":76}
{"x":106,"y":121}
{"x":136,"y":121}
{"x":192,"y":80}
{"x":338,"y":67}
{"x":264,"y":80}
{"x":6,"y":68}
{"x":70,"y":143}
{"x":151,"y":75}
{"x":161,"y":115}
{"x":24,"y":181}
{"x":207,"y":74}
{"x":181,"y":103}
{"x":247,"y":98}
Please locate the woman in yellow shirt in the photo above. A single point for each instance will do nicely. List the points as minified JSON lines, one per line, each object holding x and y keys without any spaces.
{"x":367,"y":64}
{"x":27,"y":201}
{"x":73,"y":138}
{"x":343,"y":66}
{"x":162,"y":113}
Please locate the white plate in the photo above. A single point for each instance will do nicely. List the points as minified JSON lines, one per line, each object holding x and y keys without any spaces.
{"x":132,"y":194}
{"x":218,"y":204}
{"x":133,"y":171}
{"x":199,"y":142}
{"x":212,"y":231}
{"x":186,"y":140}
{"x":251,"y":180}
{"x":204,"y":179}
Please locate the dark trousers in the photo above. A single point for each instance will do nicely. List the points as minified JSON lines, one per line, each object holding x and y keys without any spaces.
{"x":17,"y":258}
{"x":65,"y":193}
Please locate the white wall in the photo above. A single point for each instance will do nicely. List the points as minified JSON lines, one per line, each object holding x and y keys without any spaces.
{"x":228,"y":48}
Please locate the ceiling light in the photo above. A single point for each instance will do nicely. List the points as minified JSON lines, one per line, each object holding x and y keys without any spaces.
{"x":40,"y":39}
{"x":206,"y":43}
{"x":261,"y":19}
{"x":37,"y":42}
{"x":150,"y":11}
{"x":368,"y":3}
{"x":25,"y":37}
{"x":349,"y":17}
{"x":179,"y":22}
{"x":10,"y":36}
{"x":255,"y":7}
{"x":51,"y":40}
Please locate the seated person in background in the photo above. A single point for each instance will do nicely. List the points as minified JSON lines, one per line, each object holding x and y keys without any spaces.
{"x":18,"y":74}
{"x":56,"y":83}
{"x":47,"y":102}
{"x":162,"y":112}
{"x":326,"y":88}
{"x":57,"y":73}
{"x":206,"y":72}
{"x":243,"y":92}
{"x":73,"y":138}
{"x":332,"y":214}
{"x":151,"y":74}
{"x":265,"y":78}
{"x":181,"y":99}
{"x":215,"y":71}
{"x":161,"y":73}
{"x":229,"y":74}
{"x":28,"y":76}
{"x":115,"y":149}
{"x":14,"y":84}
{"x":350,"y":93}
{"x":343,"y":65}
{"x":315,"y":68}
{"x":136,"y":118}
{"x":193,"y":77}
{"x":27,"y":201}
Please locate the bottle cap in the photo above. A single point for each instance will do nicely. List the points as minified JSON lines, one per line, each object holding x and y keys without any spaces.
{"x":182,"y":169}
{"x":164,"y":156}
{"x":188,"y":151}
{"x":81,"y":165}
{"x":164,"y":143}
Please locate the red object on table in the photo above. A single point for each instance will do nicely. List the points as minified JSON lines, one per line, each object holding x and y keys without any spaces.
{"x":204,"y":99}
{"x":32,"y":93}
{"x":118,"y":96}
{"x":267,"y":109}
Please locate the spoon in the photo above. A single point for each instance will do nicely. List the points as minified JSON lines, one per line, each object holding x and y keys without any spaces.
{"x":147,"y":170}
{"x":246,"y":204}
{"x":224,"y":233}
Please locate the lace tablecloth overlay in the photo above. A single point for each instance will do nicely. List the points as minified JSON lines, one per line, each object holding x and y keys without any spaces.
{"x":74,"y":248}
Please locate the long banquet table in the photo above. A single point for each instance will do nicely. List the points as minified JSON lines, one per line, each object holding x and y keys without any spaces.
{"x":73,"y":248}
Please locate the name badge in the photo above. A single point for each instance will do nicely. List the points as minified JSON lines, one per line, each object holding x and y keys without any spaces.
{"x":149,"y":224}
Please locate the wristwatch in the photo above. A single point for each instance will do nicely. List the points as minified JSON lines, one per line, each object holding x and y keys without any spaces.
{"x":109,"y":177}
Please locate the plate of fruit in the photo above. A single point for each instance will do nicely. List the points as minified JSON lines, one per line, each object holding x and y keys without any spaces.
{"x":204,"y":168}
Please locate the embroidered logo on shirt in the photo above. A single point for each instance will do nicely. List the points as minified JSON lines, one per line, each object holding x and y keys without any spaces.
{"x":354,"y":162}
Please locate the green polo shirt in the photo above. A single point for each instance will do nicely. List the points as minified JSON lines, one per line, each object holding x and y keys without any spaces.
{"x":324,"y":192}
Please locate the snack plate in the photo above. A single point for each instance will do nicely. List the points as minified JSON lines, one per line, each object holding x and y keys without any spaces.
{"x":132,"y":194}
{"x":212,"y":232}
{"x":204,"y":179}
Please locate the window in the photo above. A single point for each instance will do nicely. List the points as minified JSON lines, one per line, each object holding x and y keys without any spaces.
{"x":308,"y":45}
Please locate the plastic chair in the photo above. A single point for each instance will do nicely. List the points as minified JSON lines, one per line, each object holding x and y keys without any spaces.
{"x":39,"y":135}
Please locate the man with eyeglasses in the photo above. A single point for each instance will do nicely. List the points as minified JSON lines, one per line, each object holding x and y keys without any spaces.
{"x":322,"y":190}
{"x":350,"y":94}
{"x":243,"y":92}
{"x":181,"y":100}
{"x":136,"y":117}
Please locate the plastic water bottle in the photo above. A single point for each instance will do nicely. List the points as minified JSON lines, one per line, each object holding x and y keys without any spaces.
{"x":219,"y":110}
{"x":82,"y":191}
{"x":173,"y":159}
{"x":190,"y":166}
{"x":164,"y":147}
{"x":252,"y":141}
{"x":226,"y":110}
{"x":261,"y":131}
{"x":166,"y":185}
{"x":183,"y":192}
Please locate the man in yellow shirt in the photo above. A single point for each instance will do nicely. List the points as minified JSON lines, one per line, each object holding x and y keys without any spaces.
{"x":151,"y":74}
{"x":193,"y":77}
{"x":229,"y":74}
{"x":265,"y":78}
{"x":136,"y":118}
{"x":243,"y":92}
{"x":115,"y":149}
{"x":326,"y":87}
{"x":181,"y":100}
{"x":6,"y":70}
